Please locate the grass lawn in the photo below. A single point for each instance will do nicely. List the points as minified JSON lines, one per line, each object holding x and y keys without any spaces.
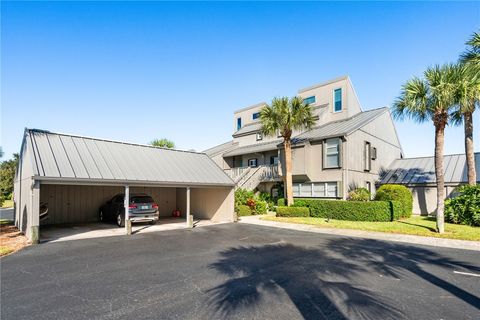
{"x":7,"y":204}
{"x":420,"y":226}
{"x":5,"y":250}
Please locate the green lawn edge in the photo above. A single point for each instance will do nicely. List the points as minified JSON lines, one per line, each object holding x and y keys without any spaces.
{"x":416,"y":225}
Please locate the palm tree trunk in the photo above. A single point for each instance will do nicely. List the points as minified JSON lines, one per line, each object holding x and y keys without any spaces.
{"x":439,"y":173}
{"x":468,"y":126}
{"x":288,"y":171}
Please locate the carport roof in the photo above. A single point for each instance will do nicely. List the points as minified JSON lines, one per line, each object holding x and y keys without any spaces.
{"x":59,"y":157}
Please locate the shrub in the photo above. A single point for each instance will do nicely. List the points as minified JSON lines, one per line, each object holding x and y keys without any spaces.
{"x":261,"y":207}
{"x":395,"y":192}
{"x":251,"y":203}
{"x":465,"y":207}
{"x":352,"y":210}
{"x":243,"y":210}
{"x":293,"y":212}
{"x":359,"y":194}
{"x":281,"y":202}
{"x":242,"y":195}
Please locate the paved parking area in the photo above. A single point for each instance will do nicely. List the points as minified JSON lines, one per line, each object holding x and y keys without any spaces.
{"x":239,"y":271}
{"x":56,"y":233}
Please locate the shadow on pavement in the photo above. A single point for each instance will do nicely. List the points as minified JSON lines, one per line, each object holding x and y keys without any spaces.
{"x":322,"y":282}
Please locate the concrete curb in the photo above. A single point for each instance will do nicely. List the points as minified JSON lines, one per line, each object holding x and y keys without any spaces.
{"x":405,"y":238}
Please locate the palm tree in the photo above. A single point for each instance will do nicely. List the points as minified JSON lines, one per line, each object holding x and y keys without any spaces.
{"x":163,"y":143}
{"x":431,"y":99}
{"x":281,"y":117}
{"x":469,"y":98}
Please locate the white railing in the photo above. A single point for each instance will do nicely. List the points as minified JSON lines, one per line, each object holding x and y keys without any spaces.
{"x":237,"y":173}
{"x":258,"y":175}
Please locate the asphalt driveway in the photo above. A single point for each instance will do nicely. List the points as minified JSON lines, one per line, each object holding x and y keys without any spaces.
{"x":239,"y":271}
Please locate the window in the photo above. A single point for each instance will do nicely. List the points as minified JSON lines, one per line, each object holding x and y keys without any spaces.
{"x":252,"y":162}
{"x":239,"y":123}
{"x":309,"y":100}
{"x":374,"y":153}
{"x":316,"y":189}
{"x":274,"y":160}
{"x":368,"y":156}
{"x":337,"y":100}
{"x":331,"y":157}
{"x":256,"y":115}
{"x":259,"y":136}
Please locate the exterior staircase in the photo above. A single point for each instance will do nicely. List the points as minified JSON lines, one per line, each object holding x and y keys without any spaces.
{"x":250,"y":177}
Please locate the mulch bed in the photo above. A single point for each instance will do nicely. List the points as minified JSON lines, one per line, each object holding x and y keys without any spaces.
{"x":11,"y":237}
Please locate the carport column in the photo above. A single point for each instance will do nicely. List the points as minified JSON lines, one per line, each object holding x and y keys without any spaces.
{"x":128,"y":223}
{"x":189,"y":216}
{"x":34,"y":219}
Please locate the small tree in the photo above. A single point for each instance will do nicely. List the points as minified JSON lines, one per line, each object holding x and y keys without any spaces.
{"x":7,"y":175}
{"x":281,"y":117}
{"x":163,"y":143}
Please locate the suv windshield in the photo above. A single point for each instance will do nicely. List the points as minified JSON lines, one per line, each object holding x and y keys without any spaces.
{"x":141,"y":199}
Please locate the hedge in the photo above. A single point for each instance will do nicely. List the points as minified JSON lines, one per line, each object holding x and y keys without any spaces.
{"x":243,"y":210}
{"x":281,"y":202}
{"x":352,"y":210}
{"x":261,"y":207}
{"x":293,"y":212}
{"x":395,"y":192}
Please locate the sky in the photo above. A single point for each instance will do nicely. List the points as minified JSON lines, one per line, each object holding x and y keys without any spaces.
{"x":136,"y":71}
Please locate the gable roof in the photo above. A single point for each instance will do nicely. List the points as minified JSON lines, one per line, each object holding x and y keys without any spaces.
{"x":62,"y":157}
{"x":221,"y":148}
{"x":340,"y":127}
{"x":414,"y":171}
{"x":253,"y":148}
{"x":248,"y":128}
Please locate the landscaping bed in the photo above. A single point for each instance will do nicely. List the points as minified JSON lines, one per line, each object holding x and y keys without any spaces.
{"x":415,"y":225}
{"x":11,"y":239}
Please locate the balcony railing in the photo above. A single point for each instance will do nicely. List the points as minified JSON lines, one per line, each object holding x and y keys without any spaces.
{"x":250,"y":177}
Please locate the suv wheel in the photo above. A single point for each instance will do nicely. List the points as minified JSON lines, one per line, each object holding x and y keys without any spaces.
{"x":120,"y":220}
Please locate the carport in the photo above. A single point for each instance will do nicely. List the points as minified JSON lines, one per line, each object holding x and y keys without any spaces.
{"x":72,"y":176}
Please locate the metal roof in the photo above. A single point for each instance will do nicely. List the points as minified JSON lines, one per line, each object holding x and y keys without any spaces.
{"x":253,"y":148}
{"x":221,"y":148}
{"x":248,"y":128}
{"x":61,"y":157}
{"x":341,"y":127}
{"x":414,"y":171}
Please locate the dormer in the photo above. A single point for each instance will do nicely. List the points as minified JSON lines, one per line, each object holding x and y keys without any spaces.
{"x":332,"y":100}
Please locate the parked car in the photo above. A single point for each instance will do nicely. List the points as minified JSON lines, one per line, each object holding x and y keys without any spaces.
{"x":141,"y":208}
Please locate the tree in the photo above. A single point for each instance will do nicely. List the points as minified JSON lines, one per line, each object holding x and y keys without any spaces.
{"x":7,"y":175}
{"x":281,"y":117}
{"x":431,"y":98}
{"x":1,"y":152}
{"x":163,"y":143}
{"x":469,"y":98}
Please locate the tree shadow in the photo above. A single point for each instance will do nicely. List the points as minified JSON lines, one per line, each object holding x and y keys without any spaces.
{"x":302,"y":274}
{"x":417,"y":225}
{"x":322,"y":282}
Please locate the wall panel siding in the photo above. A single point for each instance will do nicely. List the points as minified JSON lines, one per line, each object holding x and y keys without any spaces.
{"x":77,"y":204}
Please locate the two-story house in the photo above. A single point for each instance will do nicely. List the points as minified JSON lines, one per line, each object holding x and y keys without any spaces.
{"x":347,"y":147}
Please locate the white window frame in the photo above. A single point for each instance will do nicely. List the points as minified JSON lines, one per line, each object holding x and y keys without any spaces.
{"x":297,"y":189}
{"x":333,"y":100}
{"x":339,"y":153}
{"x":253,"y":160}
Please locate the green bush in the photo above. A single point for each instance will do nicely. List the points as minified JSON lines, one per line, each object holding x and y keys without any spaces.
{"x":352,"y":210}
{"x":281,"y":202}
{"x":395,"y":192}
{"x":359,"y":194}
{"x":242,"y":196}
{"x":293,"y":212}
{"x":261,"y":207}
{"x":465,"y":207}
{"x":243,"y":210}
